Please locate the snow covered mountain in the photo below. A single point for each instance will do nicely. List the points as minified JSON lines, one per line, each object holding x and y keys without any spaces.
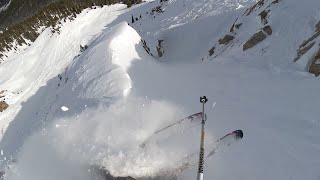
{"x":273,"y":29}
{"x":92,"y":93}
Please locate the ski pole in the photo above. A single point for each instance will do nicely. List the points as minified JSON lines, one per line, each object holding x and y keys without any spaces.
{"x":203,"y":100}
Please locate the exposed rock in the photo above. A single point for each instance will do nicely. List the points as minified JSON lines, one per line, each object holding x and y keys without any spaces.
{"x":157,"y":9}
{"x":253,"y":8}
{"x":254,"y":40}
{"x":315,"y":66}
{"x":317,"y":34}
{"x":146,"y":47}
{"x":226,"y":39}
{"x":263,"y":15}
{"x":304,"y":50}
{"x":3,"y":106}
{"x":83,"y":48}
{"x":267,"y":29}
{"x":2,"y":94}
{"x":160,"y":48}
{"x":308,"y":44}
{"x":238,"y":25}
{"x":211,"y":51}
{"x":315,"y":69}
{"x":318,"y":26}
{"x":232,"y":27}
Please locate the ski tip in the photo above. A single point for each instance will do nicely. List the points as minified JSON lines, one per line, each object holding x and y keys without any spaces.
{"x":239,"y":133}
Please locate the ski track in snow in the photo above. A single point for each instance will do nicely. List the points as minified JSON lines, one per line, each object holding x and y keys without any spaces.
{"x":117,"y":96}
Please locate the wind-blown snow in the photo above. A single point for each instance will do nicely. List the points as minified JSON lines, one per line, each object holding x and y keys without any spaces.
{"x":105,"y":136}
{"x":118,"y":95}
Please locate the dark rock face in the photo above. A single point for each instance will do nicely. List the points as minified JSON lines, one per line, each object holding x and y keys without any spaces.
{"x":254,"y":40}
{"x":315,"y":65}
{"x":318,"y":26}
{"x":267,"y":29}
{"x":303,"y":50}
{"x":263,"y":15}
{"x":314,"y":62}
{"x":160,"y":48}
{"x":211,"y":51}
{"x":226,"y":39}
{"x":3,"y":106}
{"x":238,"y":25}
{"x":315,"y":69}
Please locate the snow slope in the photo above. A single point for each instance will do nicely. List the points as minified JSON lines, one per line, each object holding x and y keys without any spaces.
{"x":292,"y":23}
{"x":25,"y":73}
{"x":96,"y":107}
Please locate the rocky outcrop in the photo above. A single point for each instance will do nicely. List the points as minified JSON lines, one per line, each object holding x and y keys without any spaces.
{"x":146,"y":47}
{"x":306,"y":46}
{"x":226,"y":39}
{"x":302,"y":50}
{"x":211,"y":51}
{"x":315,"y":65}
{"x":3,"y":106}
{"x":267,"y":29}
{"x":257,"y":6}
{"x":160,"y":48}
{"x":258,"y":37}
{"x":254,"y":40}
{"x":261,"y":9}
{"x":235,"y":26}
{"x":264,"y":16}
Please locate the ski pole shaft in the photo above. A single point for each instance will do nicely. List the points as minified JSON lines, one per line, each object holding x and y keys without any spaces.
{"x":203,"y":100}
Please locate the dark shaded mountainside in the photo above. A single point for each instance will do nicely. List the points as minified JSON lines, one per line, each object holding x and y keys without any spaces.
{"x":3,"y":3}
{"x":20,"y":9}
{"x":22,"y":20}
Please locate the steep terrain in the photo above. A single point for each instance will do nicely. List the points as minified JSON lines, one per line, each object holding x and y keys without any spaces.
{"x":89,"y":95}
{"x":272,"y":31}
{"x":23,"y":21}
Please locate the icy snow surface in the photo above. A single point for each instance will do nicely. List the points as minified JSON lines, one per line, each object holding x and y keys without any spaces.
{"x":117,"y":96}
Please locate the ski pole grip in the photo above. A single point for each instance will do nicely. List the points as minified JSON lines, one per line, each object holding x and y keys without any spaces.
{"x":203,"y":99}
